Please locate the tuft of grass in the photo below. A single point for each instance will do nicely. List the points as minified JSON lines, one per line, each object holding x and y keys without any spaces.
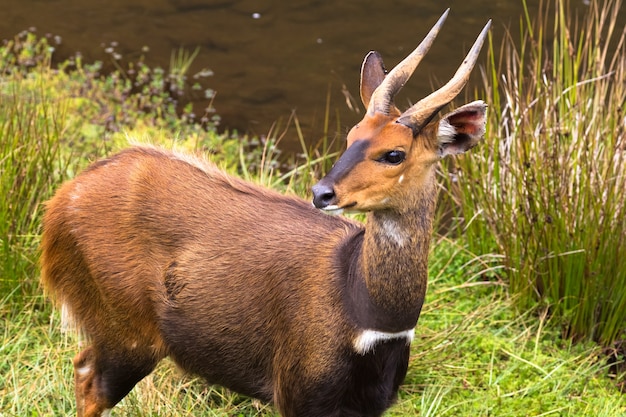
{"x":32,"y":126}
{"x":546,"y":188}
{"x":473,"y":356}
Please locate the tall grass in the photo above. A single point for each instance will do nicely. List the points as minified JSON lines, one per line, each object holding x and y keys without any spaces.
{"x":552,"y":172}
{"x":32,"y":126}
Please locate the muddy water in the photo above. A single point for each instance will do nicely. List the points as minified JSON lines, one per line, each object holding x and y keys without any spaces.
{"x":271,"y":57}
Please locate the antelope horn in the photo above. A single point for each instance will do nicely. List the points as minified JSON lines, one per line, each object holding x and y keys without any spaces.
{"x":418,"y":115}
{"x":382,"y":97}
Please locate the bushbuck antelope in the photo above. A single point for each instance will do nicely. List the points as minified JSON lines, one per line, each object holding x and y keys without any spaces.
{"x":157,"y":254}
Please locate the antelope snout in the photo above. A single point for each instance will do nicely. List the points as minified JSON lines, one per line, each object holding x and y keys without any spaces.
{"x":323,"y":195}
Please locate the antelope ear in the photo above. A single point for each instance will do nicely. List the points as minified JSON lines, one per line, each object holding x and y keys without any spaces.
{"x":462,"y":129}
{"x":372,"y":74}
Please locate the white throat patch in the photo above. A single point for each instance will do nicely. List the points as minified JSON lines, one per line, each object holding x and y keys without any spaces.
{"x":368,"y":339}
{"x":395,"y":232}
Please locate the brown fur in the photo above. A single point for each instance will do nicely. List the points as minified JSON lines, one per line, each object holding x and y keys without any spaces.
{"x":157,"y":254}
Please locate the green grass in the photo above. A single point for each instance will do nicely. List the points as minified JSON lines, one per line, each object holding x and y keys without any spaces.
{"x":31,"y":127}
{"x":475,"y":357}
{"x":546,"y":188}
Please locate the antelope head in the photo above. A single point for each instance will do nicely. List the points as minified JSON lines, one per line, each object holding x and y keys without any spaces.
{"x":392,"y":153}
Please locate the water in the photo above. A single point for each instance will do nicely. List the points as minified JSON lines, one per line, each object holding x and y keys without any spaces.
{"x":272,"y":57}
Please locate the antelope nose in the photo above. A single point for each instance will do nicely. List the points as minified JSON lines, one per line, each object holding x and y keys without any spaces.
{"x":323,"y":195}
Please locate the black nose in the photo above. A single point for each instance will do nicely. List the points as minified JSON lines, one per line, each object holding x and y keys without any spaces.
{"x":323,"y":195}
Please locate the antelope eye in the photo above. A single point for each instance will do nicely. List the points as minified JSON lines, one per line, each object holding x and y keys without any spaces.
{"x":393,"y":157}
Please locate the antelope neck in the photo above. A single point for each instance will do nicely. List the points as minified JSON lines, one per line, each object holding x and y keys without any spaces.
{"x":387,"y":270}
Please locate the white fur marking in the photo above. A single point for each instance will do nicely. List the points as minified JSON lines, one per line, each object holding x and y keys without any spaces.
{"x":84,"y":370}
{"x":394,"y":232}
{"x":68,"y":323}
{"x":368,"y":339}
{"x":77,"y":190}
{"x":446,"y":132}
{"x":106,"y":413}
{"x":334,"y":209}
{"x":401,"y":179}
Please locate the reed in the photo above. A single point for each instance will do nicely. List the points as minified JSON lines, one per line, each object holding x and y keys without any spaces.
{"x":552,"y":170}
{"x":31,"y":128}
